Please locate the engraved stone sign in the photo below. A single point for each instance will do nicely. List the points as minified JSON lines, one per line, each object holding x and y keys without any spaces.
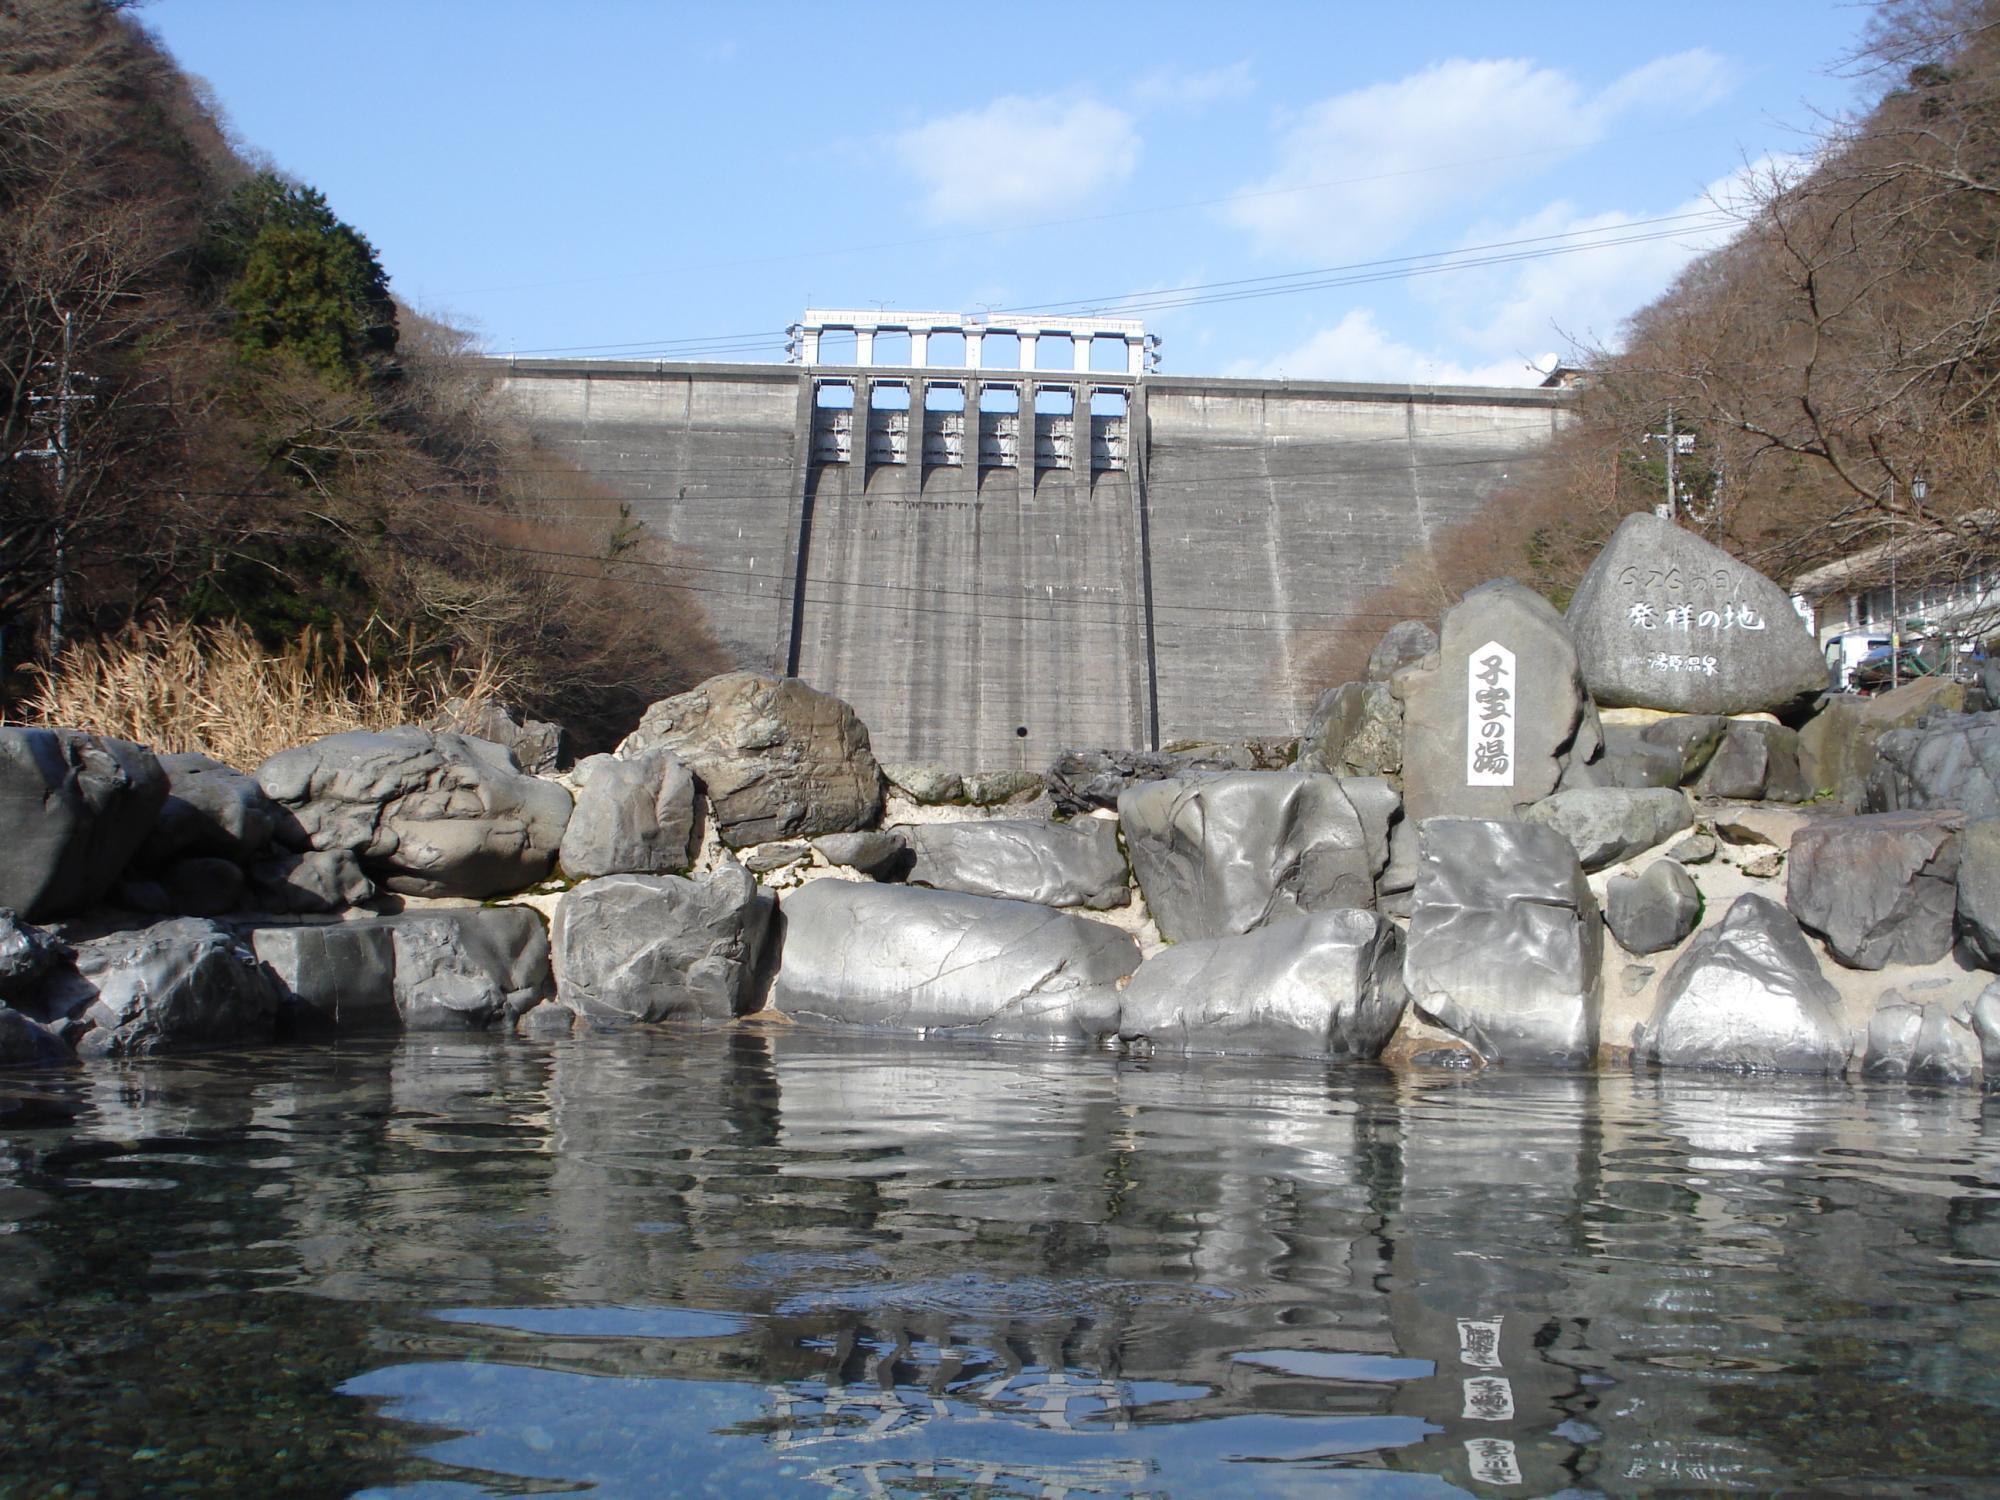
{"x":1490,"y":707}
{"x":1479,"y":1342}
{"x":1493,"y":1461}
{"x":1664,"y":620}
{"x":1489,"y":1398}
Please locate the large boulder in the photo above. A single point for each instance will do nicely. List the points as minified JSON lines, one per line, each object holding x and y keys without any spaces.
{"x":28,"y":1043}
{"x":1325,"y":985}
{"x":777,"y":758}
{"x":1403,"y":644}
{"x":1081,"y":781}
{"x":659,"y":947}
{"x":1692,"y":738}
{"x":1747,"y":996}
{"x":877,"y":854}
{"x":311,"y":882}
{"x":1489,"y":729}
{"x":184,"y":983}
{"x":1631,"y":760}
{"x":1921,"y":1043}
{"x":463,"y":968}
{"x":1607,"y":825}
{"x":28,"y":955}
{"x":1978,"y":901}
{"x":1054,"y":864}
{"x":633,"y":816}
{"x":1664,"y":620}
{"x":427,"y":814}
{"x":905,"y":958}
{"x":1837,"y":746}
{"x":1217,"y":855}
{"x":536,"y":744}
{"x":441,"y":969}
{"x":1654,"y":911}
{"x":74,"y":809}
{"x":1880,"y":888}
{"x":1505,"y":943}
{"x":341,"y":974}
{"x":1756,"y":761}
{"x":212,"y":810}
{"x":1949,"y":761}
{"x":1356,"y":729}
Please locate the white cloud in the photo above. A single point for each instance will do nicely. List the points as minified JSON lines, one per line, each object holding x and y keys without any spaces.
{"x":1018,"y":156}
{"x":1439,"y":139}
{"x":1585,"y":295}
{"x":1175,"y":88}
{"x":1359,"y":348}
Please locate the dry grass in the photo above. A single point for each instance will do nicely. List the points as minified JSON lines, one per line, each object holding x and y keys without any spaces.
{"x":216,"y":689}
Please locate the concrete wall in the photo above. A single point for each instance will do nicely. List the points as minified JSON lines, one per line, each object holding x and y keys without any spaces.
{"x":956,"y":606}
{"x":709,"y":456}
{"x":1276,"y":508}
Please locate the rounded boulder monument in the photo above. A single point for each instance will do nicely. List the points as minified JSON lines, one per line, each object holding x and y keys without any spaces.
{"x":1665,"y":620}
{"x":778,"y":759}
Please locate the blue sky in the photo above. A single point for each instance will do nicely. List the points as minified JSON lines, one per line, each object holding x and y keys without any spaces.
{"x":633,"y":179}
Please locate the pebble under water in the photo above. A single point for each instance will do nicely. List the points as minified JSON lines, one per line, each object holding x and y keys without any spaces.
{"x":766,"y":1262}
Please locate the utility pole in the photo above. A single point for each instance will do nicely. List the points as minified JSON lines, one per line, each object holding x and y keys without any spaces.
{"x":1675,"y":444}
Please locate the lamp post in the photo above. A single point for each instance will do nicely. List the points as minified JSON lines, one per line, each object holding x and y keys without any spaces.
{"x":1918,"y":490}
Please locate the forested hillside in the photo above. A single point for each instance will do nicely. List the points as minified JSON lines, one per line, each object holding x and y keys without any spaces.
{"x":1843,"y":345}
{"x":212,"y":409}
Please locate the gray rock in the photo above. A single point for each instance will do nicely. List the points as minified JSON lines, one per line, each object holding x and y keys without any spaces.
{"x":934,"y":785}
{"x":1658,"y":598}
{"x":459,"y":969}
{"x":991,"y":788}
{"x":1920,"y":1043}
{"x":319,"y":880}
{"x":1632,"y":760}
{"x":1380,"y":807}
{"x":1356,"y":729}
{"x":546,"y":1021}
{"x":1983,"y":1016}
{"x":1978,"y":899}
{"x":659,"y":947}
{"x":1081,"y":781}
{"x":427,"y":814}
{"x":27,"y":1043}
{"x":1400,"y":873}
{"x":205,"y":886}
{"x":1695,"y":849}
{"x":1747,"y":996}
{"x":777,"y":758}
{"x":1755,"y":762}
{"x":211,"y":810}
{"x":1217,"y":855}
{"x":184,"y":983}
{"x":1951,"y":761}
{"x":1505,"y":943}
{"x":28,"y":955}
{"x":635,"y":816}
{"x":766,"y":858}
{"x":1053,"y":864}
{"x":1693,"y":738}
{"x":1606,"y":825}
{"x":882,"y":856}
{"x":1542,"y":692}
{"x":906,"y":958}
{"x":1402,"y":645}
{"x":342,"y":974}
{"x":1880,"y":888}
{"x":535,"y":744}
{"x":1837,"y":746}
{"x":1325,"y":985}
{"x":1655,"y":911}
{"x":74,"y":809}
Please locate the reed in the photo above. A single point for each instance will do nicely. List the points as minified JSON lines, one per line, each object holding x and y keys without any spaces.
{"x":217,"y":689}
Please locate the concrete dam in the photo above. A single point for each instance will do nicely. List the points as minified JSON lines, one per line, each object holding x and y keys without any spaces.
{"x":992,"y":558}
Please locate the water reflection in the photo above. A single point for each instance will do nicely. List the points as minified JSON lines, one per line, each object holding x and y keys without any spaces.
{"x":765,"y":1261}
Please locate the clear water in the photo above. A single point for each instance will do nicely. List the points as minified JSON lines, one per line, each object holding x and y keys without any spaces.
{"x":770,"y":1263}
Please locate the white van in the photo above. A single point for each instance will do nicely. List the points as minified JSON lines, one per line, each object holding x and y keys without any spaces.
{"x":1844,"y":653}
